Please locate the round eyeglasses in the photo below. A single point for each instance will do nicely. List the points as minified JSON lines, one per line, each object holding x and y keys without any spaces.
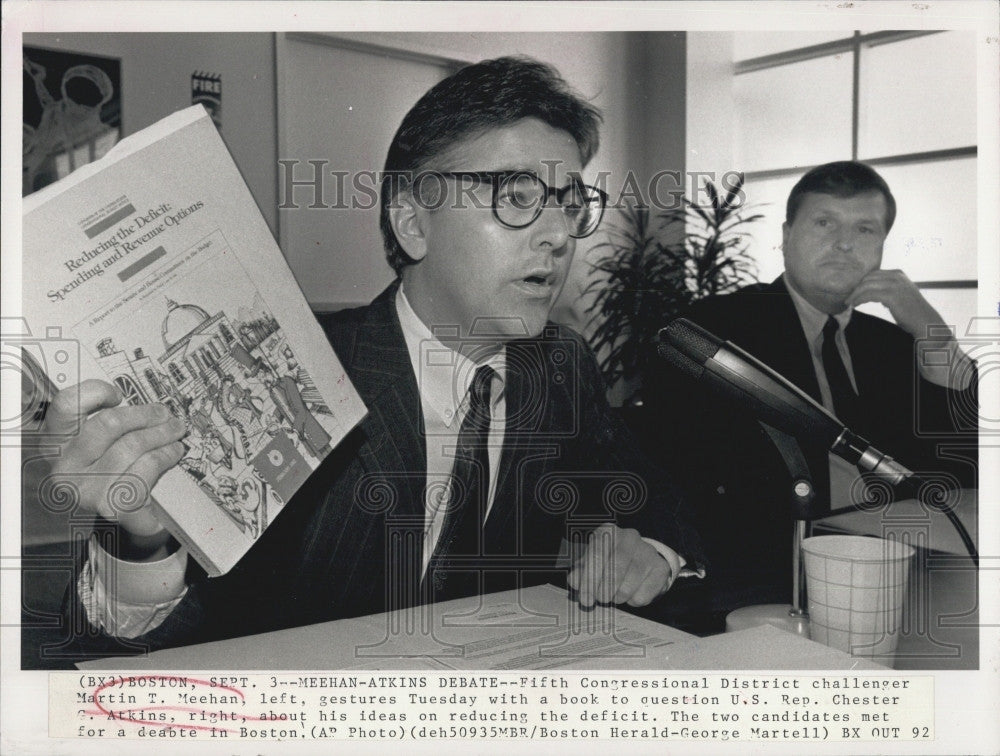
{"x":520,"y":196}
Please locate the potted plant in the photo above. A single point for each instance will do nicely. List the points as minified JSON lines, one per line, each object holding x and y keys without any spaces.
{"x":653,"y":266}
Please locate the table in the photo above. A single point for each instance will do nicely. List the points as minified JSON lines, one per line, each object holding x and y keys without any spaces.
{"x":536,"y":628}
{"x":941,"y":614}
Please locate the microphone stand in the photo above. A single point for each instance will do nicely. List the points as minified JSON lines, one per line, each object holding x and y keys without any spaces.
{"x":732,"y":373}
{"x":808,"y":502}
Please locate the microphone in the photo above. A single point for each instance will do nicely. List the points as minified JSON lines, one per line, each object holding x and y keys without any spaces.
{"x":736,"y":375}
{"x":732,"y":373}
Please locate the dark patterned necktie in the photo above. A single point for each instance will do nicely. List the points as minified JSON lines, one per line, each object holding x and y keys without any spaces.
{"x":845,"y":400}
{"x":450,"y":573}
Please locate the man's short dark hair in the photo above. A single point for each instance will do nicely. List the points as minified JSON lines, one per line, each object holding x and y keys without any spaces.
{"x":479,"y":97}
{"x":845,"y":178}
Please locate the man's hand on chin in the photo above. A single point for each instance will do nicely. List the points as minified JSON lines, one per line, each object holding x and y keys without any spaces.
{"x":893,"y":289}
{"x":620,"y":567}
{"x":915,"y":315}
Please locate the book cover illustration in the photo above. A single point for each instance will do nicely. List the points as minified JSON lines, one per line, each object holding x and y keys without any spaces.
{"x":257,"y":425}
{"x":157,"y":263}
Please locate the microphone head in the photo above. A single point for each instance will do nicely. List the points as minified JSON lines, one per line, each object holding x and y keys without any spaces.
{"x":691,"y":340}
{"x":736,"y":376}
{"x":684,"y":364}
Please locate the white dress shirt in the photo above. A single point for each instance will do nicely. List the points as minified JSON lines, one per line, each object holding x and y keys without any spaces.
{"x":443,"y":378}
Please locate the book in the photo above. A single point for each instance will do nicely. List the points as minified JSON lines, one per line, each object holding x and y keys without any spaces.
{"x":153,"y":269}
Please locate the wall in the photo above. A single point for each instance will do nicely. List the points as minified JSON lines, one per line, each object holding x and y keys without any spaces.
{"x":156,"y":81}
{"x":341,"y":103}
{"x":637,"y":79}
{"x":711,"y":108}
{"x":936,"y":69}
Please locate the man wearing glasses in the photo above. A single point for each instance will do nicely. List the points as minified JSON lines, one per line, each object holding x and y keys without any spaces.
{"x":488,"y":441}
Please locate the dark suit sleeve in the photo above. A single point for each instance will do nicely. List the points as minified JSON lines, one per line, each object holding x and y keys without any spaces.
{"x":947,"y":439}
{"x":268,"y":589}
{"x":931,"y":429}
{"x":241,"y":602}
{"x":635,"y":493}
{"x":730,"y":471}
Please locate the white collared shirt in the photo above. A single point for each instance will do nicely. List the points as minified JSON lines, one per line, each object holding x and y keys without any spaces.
{"x":443,"y":379}
{"x":843,"y":476}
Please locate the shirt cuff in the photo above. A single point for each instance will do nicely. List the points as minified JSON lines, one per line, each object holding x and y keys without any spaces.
{"x":127,"y":599}
{"x":140,"y":583}
{"x":678,"y":565}
{"x":945,"y":365}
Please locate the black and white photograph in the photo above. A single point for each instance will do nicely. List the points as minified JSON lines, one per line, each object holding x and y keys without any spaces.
{"x":72,"y":113}
{"x":625,"y":379}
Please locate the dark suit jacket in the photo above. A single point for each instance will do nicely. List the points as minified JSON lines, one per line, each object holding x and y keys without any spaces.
{"x":736,"y":480}
{"x":343,"y":546}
